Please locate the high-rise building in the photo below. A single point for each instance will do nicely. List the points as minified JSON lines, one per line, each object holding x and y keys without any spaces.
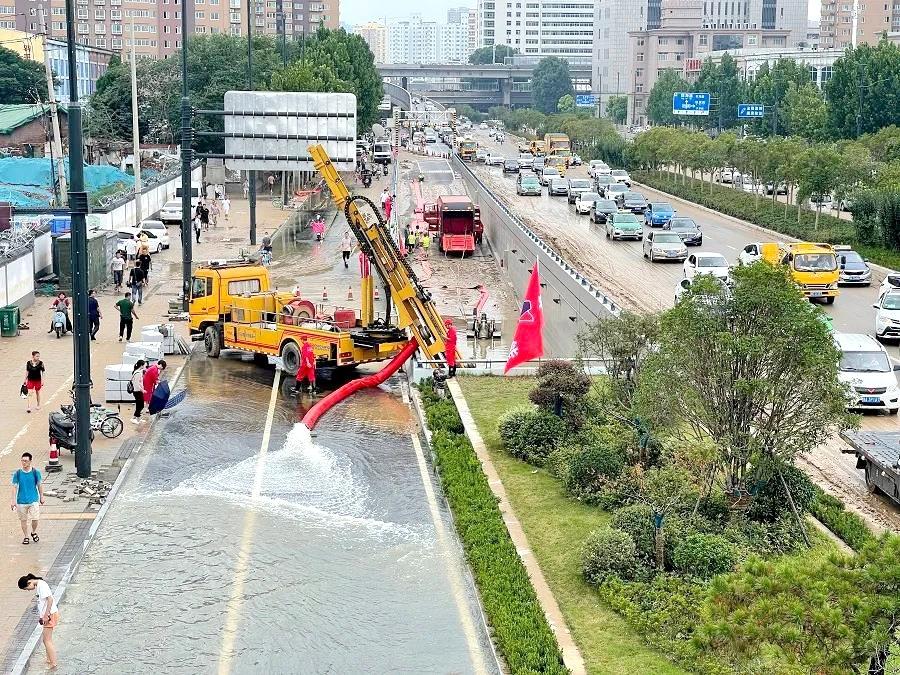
{"x":563,"y":28}
{"x":157,"y":25}
{"x":412,"y":40}
{"x":872,"y":20}
{"x":375,"y":35}
{"x":469,"y":18}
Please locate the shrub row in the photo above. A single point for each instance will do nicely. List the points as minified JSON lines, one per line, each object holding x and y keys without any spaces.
{"x":520,"y":628}
{"x":744,"y":205}
{"x":845,"y":524}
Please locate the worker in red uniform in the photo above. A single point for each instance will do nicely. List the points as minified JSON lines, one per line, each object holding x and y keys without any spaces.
{"x":307,"y":369}
{"x":450,"y":348}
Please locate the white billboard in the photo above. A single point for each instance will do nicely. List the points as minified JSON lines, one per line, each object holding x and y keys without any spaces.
{"x":270,"y":131}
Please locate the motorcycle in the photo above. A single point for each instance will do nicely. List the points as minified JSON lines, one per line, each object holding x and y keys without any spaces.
{"x":62,"y":427}
{"x":366,"y":177}
{"x":384,"y":169}
{"x":59,"y":323}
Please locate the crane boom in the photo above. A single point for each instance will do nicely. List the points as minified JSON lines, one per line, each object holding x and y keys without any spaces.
{"x":415,"y":309}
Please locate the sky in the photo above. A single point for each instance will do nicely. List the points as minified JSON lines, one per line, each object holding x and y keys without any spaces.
{"x":360,"y":11}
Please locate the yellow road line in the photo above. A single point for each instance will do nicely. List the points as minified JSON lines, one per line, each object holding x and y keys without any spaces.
{"x":242,"y":566}
{"x":456,"y":584}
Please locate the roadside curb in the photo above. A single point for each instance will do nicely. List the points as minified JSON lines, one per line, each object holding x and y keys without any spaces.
{"x":25,"y":656}
{"x":571,"y":655}
{"x":880,"y":269}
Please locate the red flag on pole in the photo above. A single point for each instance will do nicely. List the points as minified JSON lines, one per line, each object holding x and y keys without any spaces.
{"x":528,"y":342}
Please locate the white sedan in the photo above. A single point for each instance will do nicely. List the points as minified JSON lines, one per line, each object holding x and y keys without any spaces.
{"x":887,"y":316}
{"x":584,"y":202}
{"x":171,"y":212}
{"x":704,"y":262}
{"x":156,"y":240}
{"x":494,"y":160}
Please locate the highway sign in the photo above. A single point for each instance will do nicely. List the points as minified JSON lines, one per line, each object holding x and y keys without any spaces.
{"x":751,"y":110}
{"x":587,"y":100}
{"x":270,"y":131}
{"x":690,"y":103}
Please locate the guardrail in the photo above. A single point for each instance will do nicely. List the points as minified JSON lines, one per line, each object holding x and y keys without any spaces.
{"x":570,"y":300}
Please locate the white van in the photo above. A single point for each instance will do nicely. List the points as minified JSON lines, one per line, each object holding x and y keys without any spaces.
{"x":866,"y":367}
{"x":195,"y":194}
{"x":381,"y":152}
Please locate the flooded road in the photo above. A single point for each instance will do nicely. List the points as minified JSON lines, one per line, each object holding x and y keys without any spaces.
{"x":225,"y":554}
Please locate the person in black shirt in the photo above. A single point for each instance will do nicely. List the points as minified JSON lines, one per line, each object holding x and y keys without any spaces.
{"x":34,"y":371}
{"x":94,"y":314}
{"x":145,"y":264}
{"x":137,"y":279}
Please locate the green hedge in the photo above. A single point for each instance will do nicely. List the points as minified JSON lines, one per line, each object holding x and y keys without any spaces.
{"x":520,"y":629}
{"x":744,"y":205}
{"x":845,"y":524}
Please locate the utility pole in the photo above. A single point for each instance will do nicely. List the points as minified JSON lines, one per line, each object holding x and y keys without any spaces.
{"x":60,"y":164}
{"x":187,"y":134}
{"x":251,"y":175}
{"x":135,"y":133}
{"x":78,"y":207}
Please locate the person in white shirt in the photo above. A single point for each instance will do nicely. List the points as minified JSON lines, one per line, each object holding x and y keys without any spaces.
{"x":47,"y":611}
{"x":385,"y":195}
{"x":226,"y":207}
{"x":118,"y":267}
{"x":131,"y":248}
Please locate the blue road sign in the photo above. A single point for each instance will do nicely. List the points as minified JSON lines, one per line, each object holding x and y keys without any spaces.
{"x":587,"y":100}
{"x":690,"y":103}
{"x":751,"y":110}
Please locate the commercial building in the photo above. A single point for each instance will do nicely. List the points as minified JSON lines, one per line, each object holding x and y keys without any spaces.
{"x":563,"y":28}
{"x":871,"y":20}
{"x":375,"y":35}
{"x":92,"y":62}
{"x":412,"y":40}
{"x":157,"y":24}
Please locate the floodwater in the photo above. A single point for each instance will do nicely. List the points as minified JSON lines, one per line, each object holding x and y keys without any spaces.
{"x":339,"y":564}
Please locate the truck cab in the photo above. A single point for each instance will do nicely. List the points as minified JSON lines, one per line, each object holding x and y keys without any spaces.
{"x":214,"y":287}
{"x":814,"y":267}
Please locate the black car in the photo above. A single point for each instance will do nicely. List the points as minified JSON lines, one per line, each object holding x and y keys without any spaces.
{"x":511,"y":166}
{"x":854,"y":268}
{"x":687,"y":229}
{"x":603,"y":210}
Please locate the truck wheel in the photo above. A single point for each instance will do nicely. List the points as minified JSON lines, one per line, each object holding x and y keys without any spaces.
{"x":290,"y":357}
{"x":870,"y":479}
{"x":829,"y":300}
{"x":211,"y":340}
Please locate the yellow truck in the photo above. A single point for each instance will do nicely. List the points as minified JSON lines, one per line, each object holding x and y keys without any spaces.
{"x":538,"y":149}
{"x":466,"y":147}
{"x":558,"y":145}
{"x":814,"y":267}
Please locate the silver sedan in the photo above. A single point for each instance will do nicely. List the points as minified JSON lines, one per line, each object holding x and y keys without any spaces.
{"x":664,"y":246}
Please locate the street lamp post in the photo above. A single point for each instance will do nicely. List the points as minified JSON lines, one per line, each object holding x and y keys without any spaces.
{"x":78,"y":206}
{"x":251,"y":175}
{"x":186,"y":141}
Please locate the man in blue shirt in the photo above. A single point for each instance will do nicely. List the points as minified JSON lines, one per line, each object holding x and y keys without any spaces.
{"x":94,"y":314}
{"x":27,"y":495}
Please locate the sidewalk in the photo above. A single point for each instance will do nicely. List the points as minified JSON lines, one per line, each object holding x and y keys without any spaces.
{"x":65,"y":524}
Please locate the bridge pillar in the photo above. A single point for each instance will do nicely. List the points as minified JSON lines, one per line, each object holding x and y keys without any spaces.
{"x":506,"y":91}
{"x":404,"y":82}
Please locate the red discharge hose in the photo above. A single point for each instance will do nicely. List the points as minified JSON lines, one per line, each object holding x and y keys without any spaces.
{"x":311,"y":418}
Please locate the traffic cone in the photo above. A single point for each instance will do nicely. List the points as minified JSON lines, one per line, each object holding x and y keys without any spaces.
{"x":53,"y":464}
{"x":324,"y":294}
{"x":349,"y":292}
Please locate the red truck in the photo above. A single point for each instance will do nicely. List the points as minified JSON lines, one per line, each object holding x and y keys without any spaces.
{"x":457,"y":222}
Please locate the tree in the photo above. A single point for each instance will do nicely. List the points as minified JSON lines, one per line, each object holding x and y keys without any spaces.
{"x":804,"y":112}
{"x":108,"y":115}
{"x":21,"y":80}
{"x":659,"y":103}
{"x":300,"y":76}
{"x":566,"y":104}
{"x":485,"y":55}
{"x":549,"y":82}
{"x":864,"y":90}
{"x":819,"y":171}
{"x":617,"y":109}
{"x":769,"y":87}
{"x":723,"y":81}
{"x":752,"y":367}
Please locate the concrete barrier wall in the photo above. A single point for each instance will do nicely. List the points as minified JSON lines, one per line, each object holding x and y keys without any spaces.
{"x":569,"y":300}
{"x":17,"y":280}
{"x":398,"y":95}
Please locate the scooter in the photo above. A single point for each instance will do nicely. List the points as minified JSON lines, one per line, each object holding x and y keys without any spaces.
{"x":384,"y":169}
{"x":62,"y":431}
{"x":366,"y":177}
{"x":59,"y":323}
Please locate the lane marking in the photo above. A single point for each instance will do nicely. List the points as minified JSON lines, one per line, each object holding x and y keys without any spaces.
{"x":242,"y":566}
{"x":24,"y":430}
{"x":456,"y":585}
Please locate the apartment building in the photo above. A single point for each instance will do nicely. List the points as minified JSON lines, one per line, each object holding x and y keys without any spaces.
{"x":375,"y":35}
{"x":563,"y":28}
{"x":469,"y":18}
{"x":155,"y":25}
{"x":412,"y":40}
{"x":869,"y":19}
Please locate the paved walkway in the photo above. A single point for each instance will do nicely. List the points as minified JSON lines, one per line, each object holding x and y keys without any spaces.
{"x":64,"y":525}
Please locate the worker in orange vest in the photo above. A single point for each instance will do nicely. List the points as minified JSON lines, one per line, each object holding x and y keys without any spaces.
{"x":307,"y":369}
{"x":450,"y":348}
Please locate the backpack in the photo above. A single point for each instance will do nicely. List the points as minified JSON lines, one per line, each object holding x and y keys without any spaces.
{"x":130,"y":387}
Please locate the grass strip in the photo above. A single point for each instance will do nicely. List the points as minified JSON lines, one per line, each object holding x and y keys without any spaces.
{"x":848,"y":526}
{"x":520,"y":629}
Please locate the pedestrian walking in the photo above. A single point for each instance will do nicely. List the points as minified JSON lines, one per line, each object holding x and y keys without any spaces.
{"x":425,"y":241}
{"x":94,"y":314}
{"x":411,"y":239}
{"x":385,"y":195}
{"x":47,"y":610}
{"x":307,"y":369}
{"x":346,"y":248}
{"x":131,"y":248}
{"x":152,"y":374}
{"x":118,"y":268}
{"x":197,"y":227}
{"x":246,"y":187}
{"x":27,"y":497}
{"x":203,"y":210}
{"x":226,"y":207}
{"x":214,"y":213}
{"x":34,"y":375}
{"x":127,"y":315}
{"x":450,"y":347}
{"x":136,"y":280}
{"x":136,"y":389}
{"x":145,"y":262}
{"x":271,"y":181}
{"x":388,"y":205}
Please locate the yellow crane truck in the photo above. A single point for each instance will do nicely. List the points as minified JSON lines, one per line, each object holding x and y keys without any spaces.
{"x":233,"y":306}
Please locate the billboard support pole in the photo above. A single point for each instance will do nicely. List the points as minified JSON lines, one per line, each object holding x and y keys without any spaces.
{"x":251,"y":175}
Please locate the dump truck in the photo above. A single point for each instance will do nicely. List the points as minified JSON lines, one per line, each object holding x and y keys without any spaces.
{"x":466,"y":148}
{"x":557,"y":145}
{"x":457,"y":222}
{"x":233,"y":304}
{"x":814,"y":267}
